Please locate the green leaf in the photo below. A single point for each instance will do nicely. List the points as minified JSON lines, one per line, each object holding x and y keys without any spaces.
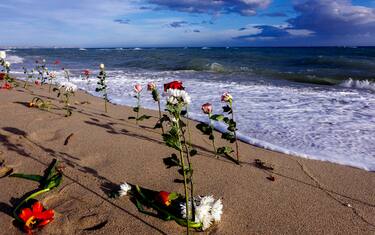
{"x":172,"y":161}
{"x":37,"y":178}
{"x":193,"y":152}
{"x":143,"y":117}
{"x":155,"y":95}
{"x":228,"y":136}
{"x":217,"y":117}
{"x":225,"y":151}
{"x":183,"y":112}
{"x":227,"y":109}
{"x":136,"y":109}
{"x":171,"y":139}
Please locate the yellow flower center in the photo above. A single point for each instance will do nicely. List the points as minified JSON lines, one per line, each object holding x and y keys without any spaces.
{"x":30,"y":222}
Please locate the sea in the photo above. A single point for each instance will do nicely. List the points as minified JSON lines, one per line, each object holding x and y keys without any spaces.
{"x":316,"y":102}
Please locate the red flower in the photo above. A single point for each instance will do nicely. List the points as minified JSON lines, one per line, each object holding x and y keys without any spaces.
{"x":7,"y":86}
{"x":86,"y":72}
{"x":138,"y":88}
{"x":174,"y":85}
{"x":37,"y":82}
{"x":36,"y":217}
{"x":163,"y":198}
{"x":2,"y":76}
{"x":57,"y":62}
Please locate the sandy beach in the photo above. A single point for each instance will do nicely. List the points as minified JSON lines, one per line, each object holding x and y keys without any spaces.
{"x":307,"y":196}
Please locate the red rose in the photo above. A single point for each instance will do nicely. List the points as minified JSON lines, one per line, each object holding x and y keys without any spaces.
{"x":57,"y":62}
{"x":163,"y":198}
{"x":7,"y":86}
{"x":174,"y":85}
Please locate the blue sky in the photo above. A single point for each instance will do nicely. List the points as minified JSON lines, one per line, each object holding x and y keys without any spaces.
{"x":141,"y":23}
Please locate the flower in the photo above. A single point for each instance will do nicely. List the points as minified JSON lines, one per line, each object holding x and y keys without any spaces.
{"x":3,"y":55}
{"x":44,"y":61}
{"x":207,"y":210}
{"x":101,"y":66}
{"x":2,"y":76}
{"x":124,"y":189}
{"x":57,"y":62}
{"x":52,"y":75}
{"x":7,"y":64}
{"x":207,"y":108}
{"x":174,"y":95}
{"x":151,"y":86}
{"x":6,"y":86}
{"x":174,"y":85}
{"x":138,"y":88}
{"x":37,"y":82}
{"x":226,"y":97}
{"x":86,"y":72}
{"x":36,"y":217}
{"x":163,"y":198}
{"x":69,"y":87}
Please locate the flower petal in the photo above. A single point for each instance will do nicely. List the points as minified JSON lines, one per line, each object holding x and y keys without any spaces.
{"x":37,"y":207}
{"x":25,"y":214}
{"x":46,"y":215}
{"x":44,"y":223}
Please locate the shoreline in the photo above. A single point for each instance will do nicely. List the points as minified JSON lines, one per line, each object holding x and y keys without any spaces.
{"x":308,"y":196}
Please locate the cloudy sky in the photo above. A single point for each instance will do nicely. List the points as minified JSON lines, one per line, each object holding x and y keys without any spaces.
{"x":141,"y":23}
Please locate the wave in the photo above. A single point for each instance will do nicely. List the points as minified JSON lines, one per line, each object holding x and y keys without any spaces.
{"x":13,"y":59}
{"x":359,"y":84}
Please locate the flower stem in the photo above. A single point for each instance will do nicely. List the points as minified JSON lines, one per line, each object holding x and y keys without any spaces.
{"x":138,"y":107}
{"x":235,"y":136}
{"x":27,"y":199}
{"x":162,"y":128}
{"x":184,"y":175}
{"x":213,"y":137}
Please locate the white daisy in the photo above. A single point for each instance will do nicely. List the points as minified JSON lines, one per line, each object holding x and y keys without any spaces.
{"x":68,"y":86}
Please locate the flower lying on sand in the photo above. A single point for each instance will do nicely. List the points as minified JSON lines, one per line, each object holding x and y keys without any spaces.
{"x":174,"y":95}
{"x":207,"y":211}
{"x":68,"y":86}
{"x":124,"y":189}
{"x":174,"y":85}
{"x":36,"y":217}
{"x":6,"y":86}
{"x":163,"y":198}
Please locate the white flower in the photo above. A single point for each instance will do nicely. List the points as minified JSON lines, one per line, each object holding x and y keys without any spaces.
{"x":69,"y":87}
{"x":44,"y":61}
{"x":174,"y":94}
{"x":6,"y":64}
{"x":124,"y":189}
{"x":52,"y":75}
{"x":101,"y":66}
{"x":207,"y":211}
{"x":3,"y":55}
{"x":217,"y":210}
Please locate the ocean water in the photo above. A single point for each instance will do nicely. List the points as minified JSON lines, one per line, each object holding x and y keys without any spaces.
{"x":317,"y":103}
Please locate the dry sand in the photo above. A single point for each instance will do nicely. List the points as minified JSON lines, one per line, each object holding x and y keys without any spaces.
{"x":307,"y":197}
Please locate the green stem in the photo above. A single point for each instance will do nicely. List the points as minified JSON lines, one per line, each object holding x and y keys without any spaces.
{"x":184,"y":175}
{"x":162,"y":128}
{"x":27,"y":199}
{"x":235,"y":136}
{"x":191,"y":177}
{"x":213,"y":137}
{"x":138,"y":107}
{"x":50,"y":85}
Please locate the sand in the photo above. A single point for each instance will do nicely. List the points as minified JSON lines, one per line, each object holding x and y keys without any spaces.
{"x":307,"y":196}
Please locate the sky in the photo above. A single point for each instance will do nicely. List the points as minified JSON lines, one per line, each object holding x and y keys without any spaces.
{"x":170,"y":23}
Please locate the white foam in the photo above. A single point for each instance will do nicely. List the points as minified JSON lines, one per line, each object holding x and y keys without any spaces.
{"x":365,"y":84}
{"x":13,"y":59}
{"x":329,"y":124}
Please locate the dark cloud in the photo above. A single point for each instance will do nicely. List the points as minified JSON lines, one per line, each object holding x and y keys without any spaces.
{"x":196,"y":31}
{"x":333,"y":18}
{"x":275,"y":14}
{"x":122,"y":21}
{"x":242,"y":7}
{"x":267,"y":32}
{"x":178,"y":24}
{"x":242,"y":29}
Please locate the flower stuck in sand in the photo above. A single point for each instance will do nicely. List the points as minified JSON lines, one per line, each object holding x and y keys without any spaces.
{"x":102,"y":85}
{"x":174,"y":85}
{"x":175,"y":96}
{"x":207,"y":108}
{"x":138,"y":89}
{"x":36,"y":217}
{"x":3,"y":55}
{"x":101,"y":67}
{"x":68,"y":86}
{"x":151,"y":86}
{"x":226,"y":97}
{"x":65,"y":91}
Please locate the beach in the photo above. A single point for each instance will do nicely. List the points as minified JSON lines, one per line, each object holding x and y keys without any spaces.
{"x":106,"y":149}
